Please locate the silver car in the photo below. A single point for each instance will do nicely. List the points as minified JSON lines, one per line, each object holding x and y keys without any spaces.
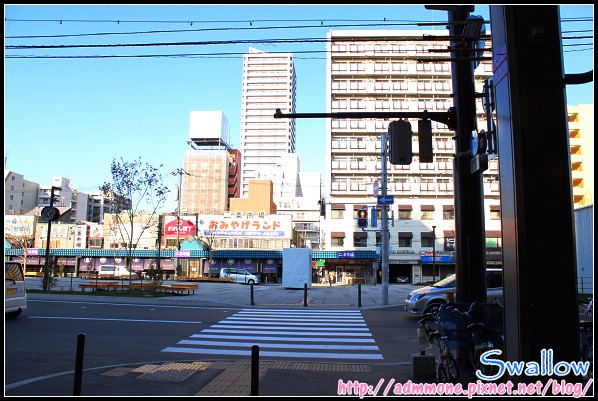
{"x":240,"y":275}
{"x":425,"y":299}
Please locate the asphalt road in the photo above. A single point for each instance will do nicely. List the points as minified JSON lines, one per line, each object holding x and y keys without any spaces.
{"x":41,"y":344}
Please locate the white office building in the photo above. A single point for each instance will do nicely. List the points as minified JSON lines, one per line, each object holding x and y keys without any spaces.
{"x":268,"y":84}
{"x":382,"y":71}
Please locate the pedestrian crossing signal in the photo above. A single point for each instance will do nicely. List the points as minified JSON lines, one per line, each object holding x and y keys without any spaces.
{"x":362,"y":218}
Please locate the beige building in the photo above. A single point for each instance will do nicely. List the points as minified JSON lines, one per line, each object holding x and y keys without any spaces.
{"x":205,"y":181}
{"x":581,"y":142}
{"x":118,"y":232}
{"x":259,"y":199}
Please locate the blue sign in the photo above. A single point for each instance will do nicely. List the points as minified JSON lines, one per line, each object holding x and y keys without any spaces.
{"x":346,"y":254}
{"x":374,"y":218}
{"x":182,"y":254}
{"x":386,"y":199}
{"x":439,"y":259}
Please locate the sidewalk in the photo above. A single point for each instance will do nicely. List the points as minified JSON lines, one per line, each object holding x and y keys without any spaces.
{"x":270,"y":295}
{"x":212,"y":377}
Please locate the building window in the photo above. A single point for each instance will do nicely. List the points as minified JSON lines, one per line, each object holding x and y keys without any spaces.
{"x":448,"y":214}
{"x":378,"y":239}
{"x":427,"y":240}
{"x":405,"y":239}
{"x":494,"y":214}
{"x":337,"y":213}
{"x":337,"y":241}
{"x":360,"y":240}
{"x":493,"y":240}
{"x":427,"y":215}
{"x":95,"y":243}
{"x":404,"y":214}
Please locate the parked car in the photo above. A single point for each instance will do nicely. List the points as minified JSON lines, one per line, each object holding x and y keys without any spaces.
{"x":402,"y":279}
{"x":423,"y":300}
{"x":15,"y":294}
{"x":240,"y":275}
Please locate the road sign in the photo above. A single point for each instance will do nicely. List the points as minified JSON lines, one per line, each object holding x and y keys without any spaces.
{"x":386,"y":199}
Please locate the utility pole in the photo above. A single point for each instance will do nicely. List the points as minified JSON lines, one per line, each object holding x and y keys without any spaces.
{"x":470,"y":232}
{"x":434,"y":255}
{"x":179,"y":172}
{"x":158,"y":266}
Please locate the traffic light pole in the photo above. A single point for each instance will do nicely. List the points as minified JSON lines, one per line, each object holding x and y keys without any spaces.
{"x":384,"y":223}
{"x":46,"y":280}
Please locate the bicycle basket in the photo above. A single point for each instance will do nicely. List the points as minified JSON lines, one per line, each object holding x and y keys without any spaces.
{"x":490,"y":314}
{"x":454,"y":324}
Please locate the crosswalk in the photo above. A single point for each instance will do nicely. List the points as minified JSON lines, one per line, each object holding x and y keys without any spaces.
{"x":287,"y":334}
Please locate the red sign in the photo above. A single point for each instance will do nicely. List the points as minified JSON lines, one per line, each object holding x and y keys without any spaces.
{"x":185,"y":228}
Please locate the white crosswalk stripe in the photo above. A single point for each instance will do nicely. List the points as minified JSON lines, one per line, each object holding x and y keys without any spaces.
{"x":286,"y":334}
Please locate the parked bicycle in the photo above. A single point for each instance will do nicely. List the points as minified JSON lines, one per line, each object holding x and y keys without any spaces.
{"x":431,"y":331}
{"x":586,"y":335}
{"x":485,"y":333}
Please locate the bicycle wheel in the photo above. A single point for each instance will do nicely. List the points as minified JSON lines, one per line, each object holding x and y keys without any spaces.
{"x":442,"y":373}
{"x":587,"y":349}
{"x":452,"y":367}
{"x":473,"y":356}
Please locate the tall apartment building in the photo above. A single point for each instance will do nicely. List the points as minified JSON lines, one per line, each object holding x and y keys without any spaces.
{"x":378,"y":71}
{"x":268,"y":84}
{"x":20,"y":195}
{"x":581,"y":142}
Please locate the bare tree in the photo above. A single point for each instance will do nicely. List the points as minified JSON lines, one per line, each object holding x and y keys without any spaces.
{"x":138,"y":190}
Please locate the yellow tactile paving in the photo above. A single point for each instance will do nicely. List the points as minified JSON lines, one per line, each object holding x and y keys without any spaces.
{"x":121,"y":371}
{"x":174,"y":371}
{"x":235,"y":380}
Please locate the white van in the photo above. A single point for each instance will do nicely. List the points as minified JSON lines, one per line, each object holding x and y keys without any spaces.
{"x":240,"y":275}
{"x":15,"y":295}
{"x":111,"y":270}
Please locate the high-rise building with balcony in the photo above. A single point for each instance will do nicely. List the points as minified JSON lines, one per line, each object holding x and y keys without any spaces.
{"x":394,"y":71}
{"x":268,"y":84}
{"x":581,"y":142}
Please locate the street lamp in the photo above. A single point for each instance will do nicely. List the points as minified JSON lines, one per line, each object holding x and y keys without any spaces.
{"x":434,"y":254}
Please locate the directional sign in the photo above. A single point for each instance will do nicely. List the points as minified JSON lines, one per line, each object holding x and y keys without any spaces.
{"x":386,"y":199}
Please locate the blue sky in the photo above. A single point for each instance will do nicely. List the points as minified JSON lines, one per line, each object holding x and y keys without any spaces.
{"x":71,"y":116}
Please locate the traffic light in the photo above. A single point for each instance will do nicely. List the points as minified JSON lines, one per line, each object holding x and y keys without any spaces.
{"x":426,"y":154}
{"x":399,"y":133}
{"x":362,"y":218}
{"x":322,"y":207}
